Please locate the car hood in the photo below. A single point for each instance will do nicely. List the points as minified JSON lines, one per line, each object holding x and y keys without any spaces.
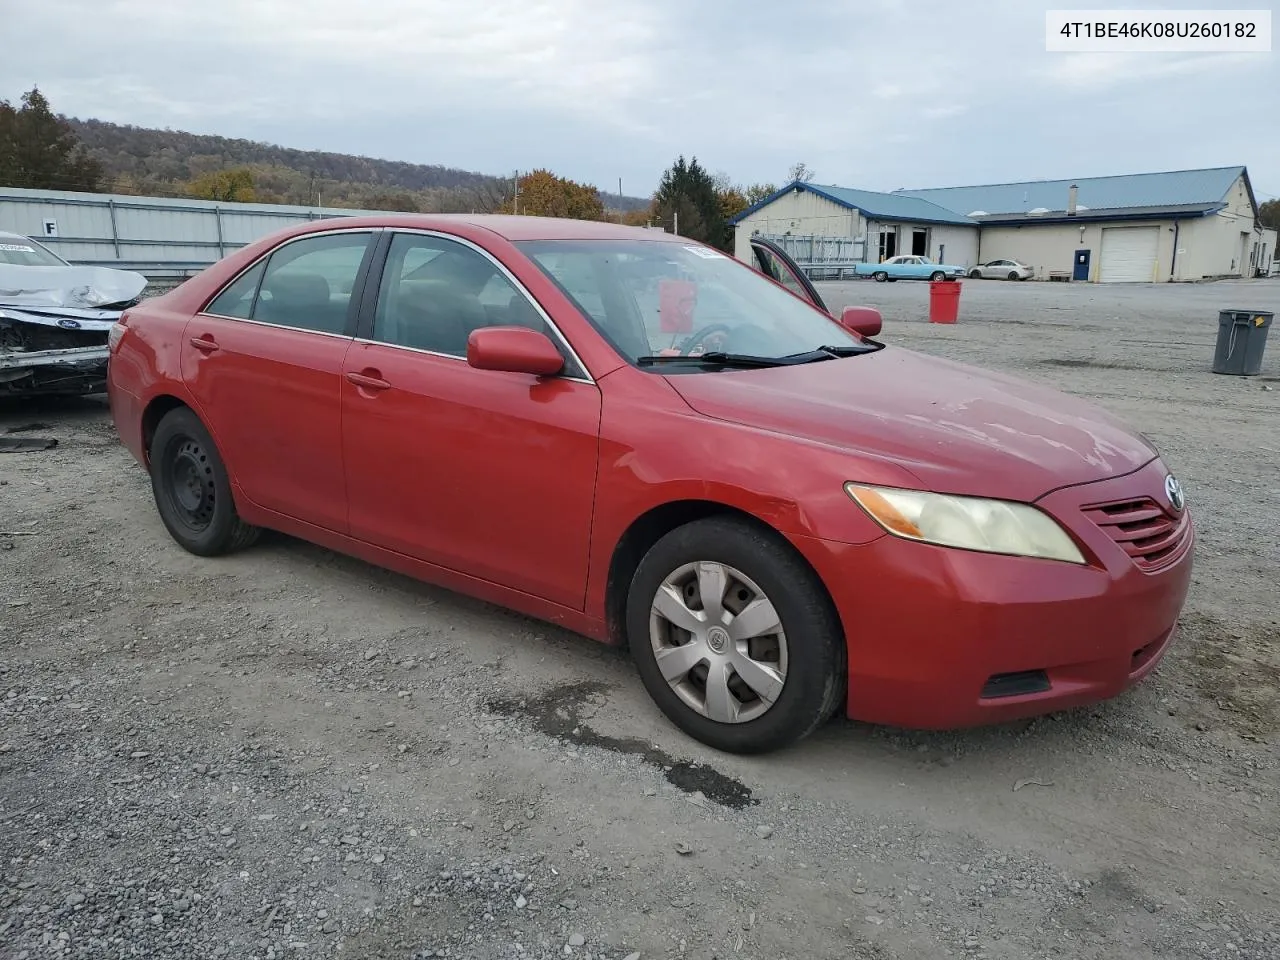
{"x":957,"y":428}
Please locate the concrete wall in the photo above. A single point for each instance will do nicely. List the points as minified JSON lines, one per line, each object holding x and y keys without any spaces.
{"x":801,"y":213}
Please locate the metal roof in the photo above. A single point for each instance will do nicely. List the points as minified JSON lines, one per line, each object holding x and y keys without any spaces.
{"x":1182,"y":211}
{"x":1175,"y":188}
{"x":873,"y":205}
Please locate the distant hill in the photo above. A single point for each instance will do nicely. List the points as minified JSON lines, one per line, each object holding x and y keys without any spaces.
{"x":146,"y":161}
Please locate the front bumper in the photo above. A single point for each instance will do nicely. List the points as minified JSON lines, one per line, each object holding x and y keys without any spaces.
{"x":941,"y":638}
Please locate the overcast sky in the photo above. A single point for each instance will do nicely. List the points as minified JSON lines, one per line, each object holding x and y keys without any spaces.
{"x":876,"y":94}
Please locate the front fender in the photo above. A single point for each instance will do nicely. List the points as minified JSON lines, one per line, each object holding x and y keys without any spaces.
{"x":670,"y":454}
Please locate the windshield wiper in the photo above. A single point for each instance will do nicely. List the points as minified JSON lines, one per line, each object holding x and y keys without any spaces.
{"x":716,"y":358}
{"x":828,"y":353}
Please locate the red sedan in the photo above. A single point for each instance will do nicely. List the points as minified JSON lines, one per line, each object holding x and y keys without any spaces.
{"x":653,"y":444}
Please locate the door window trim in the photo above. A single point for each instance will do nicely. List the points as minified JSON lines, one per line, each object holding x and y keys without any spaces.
{"x":369,"y":300}
{"x":355,"y":305}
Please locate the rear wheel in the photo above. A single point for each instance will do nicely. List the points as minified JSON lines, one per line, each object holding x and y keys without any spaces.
{"x":191,"y":489}
{"x":1013,"y":275}
{"x":734,"y":638}
{"x":880,"y":276}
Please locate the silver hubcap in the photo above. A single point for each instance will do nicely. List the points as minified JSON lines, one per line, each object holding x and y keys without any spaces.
{"x":718,"y":642}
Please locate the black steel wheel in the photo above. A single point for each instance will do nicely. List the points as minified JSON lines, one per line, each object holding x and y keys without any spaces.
{"x":191,"y":489}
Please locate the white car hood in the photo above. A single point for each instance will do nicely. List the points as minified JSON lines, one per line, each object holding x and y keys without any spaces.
{"x":68,"y":290}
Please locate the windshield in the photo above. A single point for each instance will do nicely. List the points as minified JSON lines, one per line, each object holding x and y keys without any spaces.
{"x":21,"y":252}
{"x":669,"y":300}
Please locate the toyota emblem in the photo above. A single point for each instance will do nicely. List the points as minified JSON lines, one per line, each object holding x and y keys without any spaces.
{"x":1173,"y":490}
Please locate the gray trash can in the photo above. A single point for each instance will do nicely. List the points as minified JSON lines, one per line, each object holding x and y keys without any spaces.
{"x":1242,"y":339}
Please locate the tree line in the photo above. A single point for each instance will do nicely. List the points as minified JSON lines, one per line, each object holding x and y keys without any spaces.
{"x":40,"y":149}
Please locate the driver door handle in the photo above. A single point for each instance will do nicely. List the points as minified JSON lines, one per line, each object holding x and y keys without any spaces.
{"x":369,"y":380}
{"x":205,"y":344}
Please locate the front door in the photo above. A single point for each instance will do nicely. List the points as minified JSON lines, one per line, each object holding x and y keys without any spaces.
{"x":264,"y":363}
{"x":1081,"y":271}
{"x":487,"y":473}
{"x":775,"y":264}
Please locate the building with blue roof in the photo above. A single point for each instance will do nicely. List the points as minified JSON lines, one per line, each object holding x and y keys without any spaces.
{"x":1148,"y":227}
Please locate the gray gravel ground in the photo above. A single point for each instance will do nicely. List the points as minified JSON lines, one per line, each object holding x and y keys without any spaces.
{"x":289,"y":753}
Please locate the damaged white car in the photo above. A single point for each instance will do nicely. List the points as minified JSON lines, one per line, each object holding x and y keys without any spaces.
{"x":54,"y":319}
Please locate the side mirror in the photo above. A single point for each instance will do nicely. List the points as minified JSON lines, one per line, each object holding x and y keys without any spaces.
{"x":513,"y":350}
{"x":861,"y":320}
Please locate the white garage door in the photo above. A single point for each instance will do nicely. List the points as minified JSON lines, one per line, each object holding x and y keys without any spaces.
{"x":1129,"y":254}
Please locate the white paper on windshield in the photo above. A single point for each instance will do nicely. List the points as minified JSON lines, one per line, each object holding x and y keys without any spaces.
{"x":705,"y":253}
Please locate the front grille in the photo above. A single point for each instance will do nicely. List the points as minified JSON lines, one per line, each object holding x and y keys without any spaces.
{"x":1146,"y":531}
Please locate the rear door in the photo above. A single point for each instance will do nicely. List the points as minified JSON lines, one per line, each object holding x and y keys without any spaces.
{"x":264,"y":363}
{"x":774,"y":263}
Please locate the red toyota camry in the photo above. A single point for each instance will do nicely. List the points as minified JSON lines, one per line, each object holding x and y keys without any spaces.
{"x":656,"y":445}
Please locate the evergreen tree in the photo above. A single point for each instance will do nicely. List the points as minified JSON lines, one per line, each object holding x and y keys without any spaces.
{"x":39,"y":149}
{"x":687,"y":192}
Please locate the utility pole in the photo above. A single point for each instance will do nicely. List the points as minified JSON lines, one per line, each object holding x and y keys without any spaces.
{"x":515,"y":196}
{"x":675,"y":222}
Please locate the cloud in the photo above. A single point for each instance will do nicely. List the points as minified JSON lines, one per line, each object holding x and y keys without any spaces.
{"x":872,"y":95}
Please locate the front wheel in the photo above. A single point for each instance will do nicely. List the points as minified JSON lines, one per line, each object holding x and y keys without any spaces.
{"x":191,"y":488}
{"x":975,"y":274}
{"x":880,"y":276}
{"x":937,"y":276}
{"x":734,"y":637}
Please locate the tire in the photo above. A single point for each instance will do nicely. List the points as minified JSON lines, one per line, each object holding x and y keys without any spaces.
{"x":1013,"y":275}
{"x":880,"y":276}
{"x":809,"y":657}
{"x":937,"y":275}
{"x":191,"y":489}
{"x":975,"y":274}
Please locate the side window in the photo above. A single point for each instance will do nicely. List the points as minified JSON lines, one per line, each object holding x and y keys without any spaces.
{"x":435,"y":291}
{"x":236,"y":299}
{"x":308,"y":283}
{"x":780,"y":272}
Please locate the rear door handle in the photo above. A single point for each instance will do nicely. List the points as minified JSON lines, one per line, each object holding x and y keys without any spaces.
{"x":368,"y":381}
{"x":204,"y":344}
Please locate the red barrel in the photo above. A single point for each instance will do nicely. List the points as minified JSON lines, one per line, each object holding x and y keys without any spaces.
{"x":944,"y":301}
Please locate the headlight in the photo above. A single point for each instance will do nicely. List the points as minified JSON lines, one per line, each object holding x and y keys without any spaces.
{"x":970,"y":523}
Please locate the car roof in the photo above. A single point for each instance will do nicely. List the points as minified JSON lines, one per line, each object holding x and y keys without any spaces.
{"x":12,"y":236}
{"x":506,"y":226}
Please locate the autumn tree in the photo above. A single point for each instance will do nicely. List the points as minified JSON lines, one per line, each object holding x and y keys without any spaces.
{"x":758,"y":191}
{"x":397,"y":201}
{"x":543,"y":194}
{"x":39,"y":150}
{"x":228,"y":186}
{"x":686,"y":199}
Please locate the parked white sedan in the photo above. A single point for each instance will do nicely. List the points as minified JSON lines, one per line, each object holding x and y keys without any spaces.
{"x":1002,"y":270}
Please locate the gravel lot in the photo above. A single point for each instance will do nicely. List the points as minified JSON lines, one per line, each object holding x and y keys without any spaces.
{"x":289,"y":753}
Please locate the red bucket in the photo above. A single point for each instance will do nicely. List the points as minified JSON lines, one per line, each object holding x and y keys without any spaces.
{"x":944,"y":301}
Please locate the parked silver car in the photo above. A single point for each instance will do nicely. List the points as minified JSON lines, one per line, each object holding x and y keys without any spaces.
{"x":1002,"y":270}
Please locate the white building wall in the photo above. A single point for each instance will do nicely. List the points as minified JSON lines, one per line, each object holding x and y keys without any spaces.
{"x":956,"y":244}
{"x":1219,"y":245}
{"x":1050,"y":247}
{"x":799,"y":213}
